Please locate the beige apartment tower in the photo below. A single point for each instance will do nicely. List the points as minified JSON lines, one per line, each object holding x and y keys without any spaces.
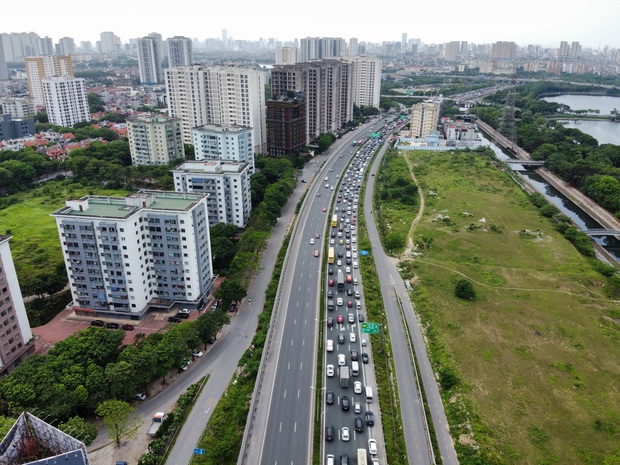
{"x":38,"y":68}
{"x":154,"y":139}
{"x":424,"y":118}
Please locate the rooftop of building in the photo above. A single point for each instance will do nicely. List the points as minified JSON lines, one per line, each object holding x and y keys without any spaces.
{"x":210,"y":167}
{"x":124,"y":207}
{"x":222,"y":128}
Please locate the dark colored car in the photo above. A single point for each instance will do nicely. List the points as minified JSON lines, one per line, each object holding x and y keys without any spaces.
{"x":127,"y":327}
{"x":364,"y":357}
{"x":359,"y":424}
{"x":344,"y":459}
{"x":97,"y":323}
{"x":354,"y":354}
{"x":329,"y":433}
{"x":174,"y":319}
{"x":112,"y":325}
{"x":330,"y":294}
{"x":329,"y":398}
{"x":185,"y":316}
{"x":330,"y":271}
{"x":370,"y":418}
{"x":360,"y":317}
{"x":345,"y":403}
{"x":330,"y":322}
{"x":341,"y":339}
{"x":349,"y":291}
{"x":340,"y":254}
{"x":232,"y":307}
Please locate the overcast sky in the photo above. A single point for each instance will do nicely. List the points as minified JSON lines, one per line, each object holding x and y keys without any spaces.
{"x":593,"y":23}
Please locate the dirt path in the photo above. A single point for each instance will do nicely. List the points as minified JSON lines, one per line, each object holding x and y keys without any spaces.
{"x":416,"y":220}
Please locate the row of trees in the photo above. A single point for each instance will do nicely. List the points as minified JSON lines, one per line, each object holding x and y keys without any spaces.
{"x":92,"y":366}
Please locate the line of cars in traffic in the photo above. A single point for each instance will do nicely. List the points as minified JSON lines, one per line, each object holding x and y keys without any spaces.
{"x":343,"y":294}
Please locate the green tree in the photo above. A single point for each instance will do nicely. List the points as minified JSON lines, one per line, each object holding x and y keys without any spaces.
{"x":394,"y":241}
{"x":95,"y":104}
{"x":117,"y":417}
{"x":464,"y":289}
{"x":78,"y":428}
{"x":231,"y":290}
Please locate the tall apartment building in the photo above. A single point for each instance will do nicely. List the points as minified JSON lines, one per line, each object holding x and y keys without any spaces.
{"x":451,"y":50}
{"x":18,"y":45}
{"x":18,"y":107}
{"x":504,"y":50}
{"x":575,"y":49}
{"x":319,"y":48}
{"x":65,"y":100}
{"x":326,"y":85}
{"x":286,"y":124}
{"x":109,"y":43}
{"x":227,"y":184}
{"x":365,"y":80}
{"x":424,"y":118}
{"x":354,"y":48}
{"x":150,"y":249}
{"x":15,"y":333}
{"x":4,"y":70}
{"x":180,"y":51}
{"x":564,"y":50}
{"x":40,"y":67}
{"x":403,"y":43}
{"x":225,"y":143}
{"x":66,"y":46}
{"x":287,"y":56}
{"x":150,"y":57}
{"x":154,"y":139}
{"x":220,"y":95}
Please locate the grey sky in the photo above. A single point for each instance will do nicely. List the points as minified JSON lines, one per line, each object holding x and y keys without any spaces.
{"x":545,"y":22}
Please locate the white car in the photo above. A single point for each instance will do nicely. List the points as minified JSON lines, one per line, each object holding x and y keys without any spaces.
{"x":352,"y":337}
{"x":344,"y":434}
{"x":354,"y":264}
{"x":347,"y":269}
{"x":139,"y":396}
{"x":357,"y":387}
{"x":357,"y":407}
{"x":330,"y":345}
{"x":330,"y":370}
{"x":332,"y":241}
{"x":197,"y":353}
{"x":372,"y":447}
{"x":339,"y":301}
{"x":312,"y":241}
{"x":342,"y":360}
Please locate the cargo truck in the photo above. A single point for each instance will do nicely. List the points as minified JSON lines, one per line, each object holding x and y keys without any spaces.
{"x":344,"y":377}
{"x":340,"y":280}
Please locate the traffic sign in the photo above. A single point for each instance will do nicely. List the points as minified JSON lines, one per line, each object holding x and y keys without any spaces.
{"x":364,"y":253}
{"x":199,"y":452}
{"x":370,"y":328}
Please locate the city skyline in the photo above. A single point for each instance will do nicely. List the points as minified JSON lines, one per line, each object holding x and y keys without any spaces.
{"x":531,"y":22}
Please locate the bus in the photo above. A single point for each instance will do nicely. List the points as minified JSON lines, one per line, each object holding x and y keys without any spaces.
{"x":334,"y":220}
{"x":330,"y":256}
{"x":362,"y":458}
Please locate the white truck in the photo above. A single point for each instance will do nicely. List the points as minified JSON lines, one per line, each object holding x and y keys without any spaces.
{"x":156,"y":422}
{"x":344,"y":377}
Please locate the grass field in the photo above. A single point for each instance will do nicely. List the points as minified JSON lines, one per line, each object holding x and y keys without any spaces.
{"x":35,"y":245}
{"x":537,"y":352}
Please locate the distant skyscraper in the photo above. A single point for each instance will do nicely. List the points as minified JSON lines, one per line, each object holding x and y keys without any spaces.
{"x":110,"y":43}
{"x":403,"y":43}
{"x":65,"y":100}
{"x":451,"y":50}
{"x":504,"y":50}
{"x":575,"y":50}
{"x":66,"y":46}
{"x":14,"y":326}
{"x":353,"y":47}
{"x":179,"y":51}
{"x":225,"y":37}
{"x":150,"y":60}
{"x":4,"y":70}
{"x":564,"y":49}
{"x":287,"y":55}
{"x":40,"y":67}
{"x":319,"y":48}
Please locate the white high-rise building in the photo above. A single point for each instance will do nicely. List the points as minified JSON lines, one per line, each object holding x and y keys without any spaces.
{"x":179,"y":51}
{"x":225,"y":143}
{"x":365,"y":80}
{"x":319,"y":48}
{"x":150,"y":60}
{"x":15,"y":332}
{"x":65,"y":100}
{"x":287,"y":55}
{"x":220,"y":95}
{"x":227,"y":184}
{"x":354,"y":48}
{"x":66,"y":46}
{"x":124,"y":256}
{"x":4,"y":70}
{"x":109,"y":43}
{"x":40,"y":67}
{"x":154,"y":139}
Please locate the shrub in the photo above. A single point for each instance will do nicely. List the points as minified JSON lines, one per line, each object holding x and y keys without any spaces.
{"x":464,"y":289}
